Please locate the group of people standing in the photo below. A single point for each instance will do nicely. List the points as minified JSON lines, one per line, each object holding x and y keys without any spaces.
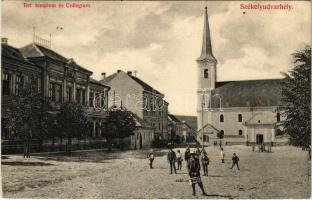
{"x":193,"y":159}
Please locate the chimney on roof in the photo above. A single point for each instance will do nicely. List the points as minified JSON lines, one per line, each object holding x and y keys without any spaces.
{"x":118,"y":70}
{"x":129,"y":73}
{"x":4,"y":40}
{"x":103,"y":74}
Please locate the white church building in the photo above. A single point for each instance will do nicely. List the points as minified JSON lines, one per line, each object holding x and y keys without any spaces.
{"x":245,"y":111}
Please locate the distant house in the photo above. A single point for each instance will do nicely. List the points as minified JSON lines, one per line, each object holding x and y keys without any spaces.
{"x":144,"y":101}
{"x":179,"y":131}
{"x":143,"y":135}
{"x":191,"y":122}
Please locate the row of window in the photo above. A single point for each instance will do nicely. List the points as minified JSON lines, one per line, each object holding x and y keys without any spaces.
{"x":55,"y":93}
{"x":240,"y":118}
{"x":20,"y":81}
{"x":158,"y":128}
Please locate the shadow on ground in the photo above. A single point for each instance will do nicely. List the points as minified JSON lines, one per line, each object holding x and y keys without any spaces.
{"x":102,"y":156}
{"x":19,"y":163}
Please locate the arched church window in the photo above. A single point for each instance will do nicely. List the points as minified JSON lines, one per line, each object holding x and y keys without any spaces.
{"x":240,"y":132}
{"x":205,"y":73}
{"x":240,"y":118}
{"x":221,"y":118}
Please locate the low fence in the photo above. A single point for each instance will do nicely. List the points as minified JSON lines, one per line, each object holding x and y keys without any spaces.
{"x":17,"y":146}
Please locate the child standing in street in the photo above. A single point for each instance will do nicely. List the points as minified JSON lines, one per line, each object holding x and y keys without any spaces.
{"x":205,"y":163}
{"x":222,"y":155}
{"x":151,"y":157}
{"x":179,"y":160}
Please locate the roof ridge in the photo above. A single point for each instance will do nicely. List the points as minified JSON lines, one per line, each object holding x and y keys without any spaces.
{"x":40,"y":52}
{"x":251,"y":80}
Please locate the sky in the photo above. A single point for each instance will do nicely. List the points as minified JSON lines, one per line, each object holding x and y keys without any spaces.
{"x":161,"y":40}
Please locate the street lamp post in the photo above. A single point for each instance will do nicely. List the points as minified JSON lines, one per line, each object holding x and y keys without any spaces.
{"x":203,"y":104}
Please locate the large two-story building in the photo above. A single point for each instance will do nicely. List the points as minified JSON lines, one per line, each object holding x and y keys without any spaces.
{"x":59,"y":78}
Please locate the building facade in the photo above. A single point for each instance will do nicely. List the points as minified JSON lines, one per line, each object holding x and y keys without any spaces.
{"x":130,"y":92}
{"x":180,"y":132}
{"x":16,"y":72}
{"x":143,"y":135}
{"x":59,"y":78}
{"x":244,"y":111}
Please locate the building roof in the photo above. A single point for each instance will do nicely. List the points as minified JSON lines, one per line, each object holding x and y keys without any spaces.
{"x":36,"y":50}
{"x":248,"y":93}
{"x":141,"y":123}
{"x":12,"y":52}
{"x":206,"y":53}
{"x":98,"y":82}
{"x":172,"y":118}
{"x":145,"y":86}
{"x":191,"y":121}
{"x":208,"y":126}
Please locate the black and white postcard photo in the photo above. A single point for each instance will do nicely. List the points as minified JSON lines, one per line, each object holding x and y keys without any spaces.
{"x":155,"y":99}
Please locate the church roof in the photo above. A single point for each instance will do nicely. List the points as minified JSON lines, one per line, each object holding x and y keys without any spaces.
{"x":248,"y":93}
{"x":35,"y":50}
{"x":206,"y":53}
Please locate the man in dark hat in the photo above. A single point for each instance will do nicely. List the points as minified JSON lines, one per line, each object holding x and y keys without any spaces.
{"x":235,"y":160}
{"x":171,"y":157}
{"x":194,"y":172}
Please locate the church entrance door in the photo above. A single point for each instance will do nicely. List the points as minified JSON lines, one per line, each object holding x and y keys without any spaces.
{"x":259,"y":139}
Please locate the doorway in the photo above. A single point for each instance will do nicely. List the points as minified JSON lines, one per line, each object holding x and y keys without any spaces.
{"x":259,"y":139}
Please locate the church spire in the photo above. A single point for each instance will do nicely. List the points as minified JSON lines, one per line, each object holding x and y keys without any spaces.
{"x":206,"y":53}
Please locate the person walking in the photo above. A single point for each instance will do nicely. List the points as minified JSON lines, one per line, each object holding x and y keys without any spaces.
{"x":198,"y":152}
{"x":235,"y":160}
{"x":187,"y":154}
{"x":194,"y":173}
{"x":151,"y":158}
{"x":205,"y":163}
{"x":171,"y":157}
{"x":222,"y":155}
{"x":179,"y":160}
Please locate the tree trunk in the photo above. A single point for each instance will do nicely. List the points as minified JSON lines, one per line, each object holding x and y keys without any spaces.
{"x":25,"y":148}
{"x":53,"y":143}
{"x":68,"y":149}
{"x":28,"y":147}
{"x":109,"y":142}
{"x":121,"y":144}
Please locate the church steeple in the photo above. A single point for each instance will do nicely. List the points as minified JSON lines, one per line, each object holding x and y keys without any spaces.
{"x":206,"y":53}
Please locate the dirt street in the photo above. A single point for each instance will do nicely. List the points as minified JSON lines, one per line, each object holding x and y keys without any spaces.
{"x":284,"y":173}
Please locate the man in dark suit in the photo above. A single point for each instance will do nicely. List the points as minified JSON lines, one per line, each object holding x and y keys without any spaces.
{"x":171,"y":157}
{"x":194,"y":173}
